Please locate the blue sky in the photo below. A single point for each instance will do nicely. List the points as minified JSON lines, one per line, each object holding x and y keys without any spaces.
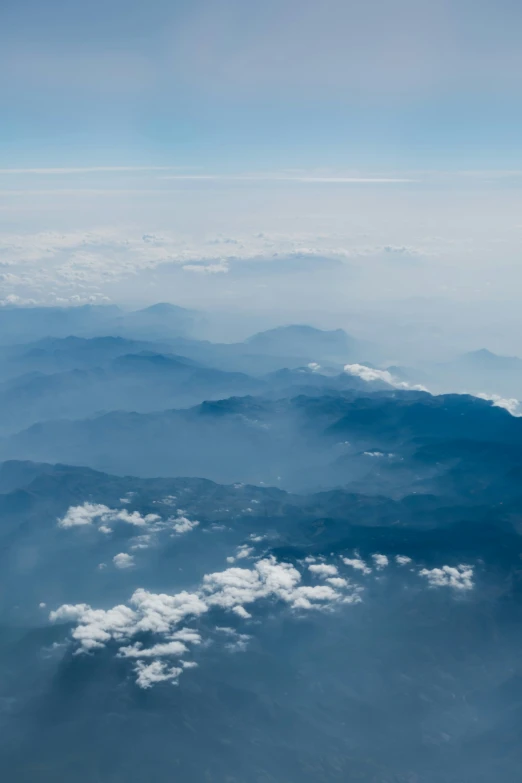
{"x":235,"y":84}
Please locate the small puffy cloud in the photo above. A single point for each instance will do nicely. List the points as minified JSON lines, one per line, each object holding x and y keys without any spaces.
{"x":402,"y":560}
{"x":157,"y":651}
{"x":338,"y":581}
{"x":181,"y":524}
{"x":323,"y":569}
{"x":161,"y":613}
{"x":68,"y":613}
{"x":317,"y":597}
{"x":88,"y":513}
{"x":242,"y":612}
{"x":132,"y":518}
{"x":83,"y":515}
{"x":380,"y":561}
{"x":123,"y":560}
{"x":459,"y":577}
{"x":149,"y":674}
{"x":243,"y":551}
{"x":142,"y":542}
{"x":369,"y":374}
{"x":357,"y":564}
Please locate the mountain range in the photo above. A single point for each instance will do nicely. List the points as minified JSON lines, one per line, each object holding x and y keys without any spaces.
{"x":277,"y":560}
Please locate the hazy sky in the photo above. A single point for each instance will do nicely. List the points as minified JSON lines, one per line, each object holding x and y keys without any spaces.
{"x":229,"y":83}
{"x":346,"y":163}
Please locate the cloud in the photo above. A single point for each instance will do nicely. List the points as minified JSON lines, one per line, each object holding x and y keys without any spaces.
{"x":181,"y":524}
{"x":357,"y":564}
{"x":243,"y":551}
{"x":459,"y":577}
{"x":123,"y":560}
{"x":83,"y":515}
{"x":156,"y":651}
{"x":510,"y":404}
{"x":207,"y":269}
{"x":369,"y":374}
{"x":323,"y":569}
{"x":149,"y":674}
{"x":337,"y":581}
{"x":402,"y":560}
{"x":233,"y":590}
{"x":88,"y":513}
{"x":380,"y":561}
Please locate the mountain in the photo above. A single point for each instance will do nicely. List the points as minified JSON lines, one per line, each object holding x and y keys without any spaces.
{"x":306,"y":342}
{"x":157,"y":322}
{"x":144,"y":381}
{"x":160,"y":321}
{"x":348,"y":438}
{"x":299,"y":682}
{"x":477,"y":371}
{"x":20,"y":324}
{"x":484,"y":359}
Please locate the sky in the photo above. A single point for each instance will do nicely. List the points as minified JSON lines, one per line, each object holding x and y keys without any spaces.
{"x":353,"y":164}
{"x":233,"y":83}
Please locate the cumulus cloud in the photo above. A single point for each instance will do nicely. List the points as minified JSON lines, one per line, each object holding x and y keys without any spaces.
{"x":369,"y":374}
{"x":88,"y":513}
{"x":233,"y":590}
{"x":459,"y":577}
{"x":105,"y":517}
{"x":323,"y":569}
{"x":156,"y":651}
{"x":243,"y":551}
{"x":181,"y":524}
{"x":161,"y":614}
{"x":149,"y":674}
{"x":380,"y":561}
{"x":83,"y":515}
{"x":357,"y":564}
{"x":402,"y":560}
{"x":123,"y":560}
{"x":338,"y":581}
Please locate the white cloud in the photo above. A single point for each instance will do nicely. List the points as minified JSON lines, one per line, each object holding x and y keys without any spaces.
{"x":141,"y":542}
{"x":510,"y":404}
{"x":233,"y":590}
{"x":380,"y":561}
{"x":323,"y":569}
{"x":357,"y":564}
{"x":123,"y":560}
{"x":243,"y":551}
{"x":149,"y":674}
{"x":459,"y":578}
{"x":83,"y":515}
{"x":402,"y":560}
{"x":369,"y":374}
{"x":157,"y":651}
{"x":182,"y":524}
{"x":338,"y":581}
{"x":68,"y":613}
{"x":88,"y":513}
